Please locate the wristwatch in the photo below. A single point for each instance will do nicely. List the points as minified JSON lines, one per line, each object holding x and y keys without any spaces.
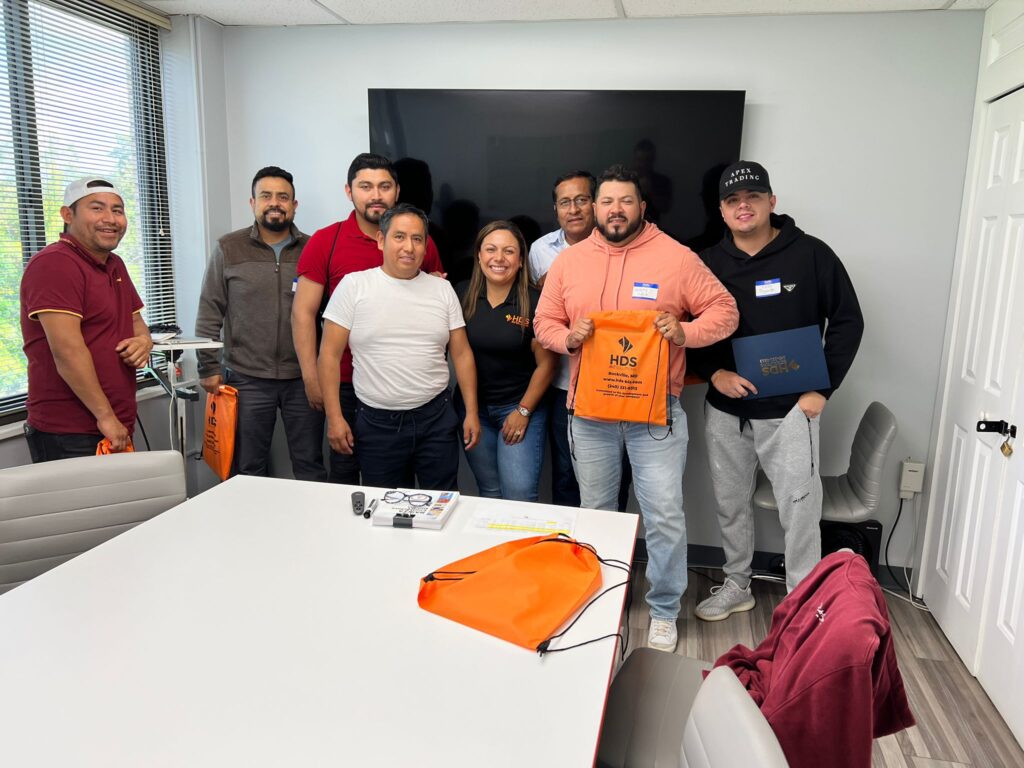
{"x":522,"y":410}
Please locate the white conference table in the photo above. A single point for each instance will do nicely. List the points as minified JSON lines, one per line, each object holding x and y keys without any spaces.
{"x":263,"y":624}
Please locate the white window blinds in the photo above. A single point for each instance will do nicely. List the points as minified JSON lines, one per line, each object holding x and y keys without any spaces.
{"x":80,"y":95}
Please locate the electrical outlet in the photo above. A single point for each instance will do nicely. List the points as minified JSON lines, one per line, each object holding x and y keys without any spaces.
{"x":911,"y":478}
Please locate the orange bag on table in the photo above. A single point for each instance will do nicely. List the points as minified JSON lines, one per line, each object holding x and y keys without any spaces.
{"x":521,"y":591}
{"x":623,"y":373}
{"x":219,"y":432}
{"x":104,"y":448}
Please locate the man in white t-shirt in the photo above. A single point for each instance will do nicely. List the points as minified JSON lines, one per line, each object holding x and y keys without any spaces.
{"x":399,"y":323}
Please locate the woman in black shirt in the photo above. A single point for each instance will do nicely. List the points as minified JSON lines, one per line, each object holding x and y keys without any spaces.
{"x":513,"y":369}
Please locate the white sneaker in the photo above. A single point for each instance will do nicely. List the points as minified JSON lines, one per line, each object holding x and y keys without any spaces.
{"x":725,"y":600}
{"x":662,"y":635}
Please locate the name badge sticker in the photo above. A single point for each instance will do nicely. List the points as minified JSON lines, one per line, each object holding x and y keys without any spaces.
{"x":646,"y":291}
{"x":295,"y":284}
{"x":765,"y":288}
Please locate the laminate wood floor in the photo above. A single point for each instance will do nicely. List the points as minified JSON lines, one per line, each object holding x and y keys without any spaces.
{"x":956,"y":723}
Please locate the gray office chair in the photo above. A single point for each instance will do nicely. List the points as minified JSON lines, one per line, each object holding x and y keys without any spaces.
{"x":661,"y":713}
{"x":52,"y":511}
{"x":856,"y":495}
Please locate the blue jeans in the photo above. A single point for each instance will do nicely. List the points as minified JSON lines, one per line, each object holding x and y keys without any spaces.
{"x":565,"y":491}
{"x":658,"y":464}
{"x":507,"y":471}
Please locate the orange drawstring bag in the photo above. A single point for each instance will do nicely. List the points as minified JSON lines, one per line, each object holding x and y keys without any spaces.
{"x":623,"y":373}
{"x":104,"y":448}
{"x":219,"y":433}
{"x":521,"y":591}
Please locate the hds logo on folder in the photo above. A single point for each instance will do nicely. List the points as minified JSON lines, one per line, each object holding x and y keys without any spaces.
{"x":782,"y":363}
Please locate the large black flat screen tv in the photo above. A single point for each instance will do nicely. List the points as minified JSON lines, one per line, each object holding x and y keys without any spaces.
{"x":494,"y":154}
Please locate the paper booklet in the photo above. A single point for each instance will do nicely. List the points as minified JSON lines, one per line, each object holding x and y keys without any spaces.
{"x":408,"y":508}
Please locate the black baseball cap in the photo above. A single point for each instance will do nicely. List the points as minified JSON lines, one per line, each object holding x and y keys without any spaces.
{"x":743,"y":175}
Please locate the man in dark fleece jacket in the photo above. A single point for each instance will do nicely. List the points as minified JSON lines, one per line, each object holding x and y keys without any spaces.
{"x":247,"y":300}
{"x":781,"y":279}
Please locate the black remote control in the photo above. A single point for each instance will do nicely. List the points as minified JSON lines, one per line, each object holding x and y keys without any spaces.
{"x":358,"y":500}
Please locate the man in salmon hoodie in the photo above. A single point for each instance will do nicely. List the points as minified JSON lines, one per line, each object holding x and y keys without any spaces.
{"x":629,"y":264}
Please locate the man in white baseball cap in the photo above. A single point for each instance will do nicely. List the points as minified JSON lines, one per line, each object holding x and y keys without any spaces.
{"x":84,"y":336}
{"x":90,"y":185}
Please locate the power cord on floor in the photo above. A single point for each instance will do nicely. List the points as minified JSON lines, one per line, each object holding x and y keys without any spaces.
{"x":918,"y":604}
{"x":719,"y":582}
{"x":712,"y":579}
{"x":142,"y":428}
{"x":888,"y":541}
{"x":767,"y":577}
{"x":909,"y":598}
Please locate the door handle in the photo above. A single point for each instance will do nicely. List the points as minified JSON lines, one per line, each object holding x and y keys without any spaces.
{"x":1000,"y":428}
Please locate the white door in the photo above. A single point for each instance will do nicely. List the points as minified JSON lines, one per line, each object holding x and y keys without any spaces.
{"x":1001,"y":655}
{"x":1001,"y":652}
{"x":975,"y":581}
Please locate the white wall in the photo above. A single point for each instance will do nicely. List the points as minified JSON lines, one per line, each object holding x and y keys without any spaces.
{"x":863,"y":121}
{"x":197,"y":151}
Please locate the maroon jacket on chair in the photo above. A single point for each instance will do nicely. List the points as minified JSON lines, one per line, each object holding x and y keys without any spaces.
{"x":826,"y":677}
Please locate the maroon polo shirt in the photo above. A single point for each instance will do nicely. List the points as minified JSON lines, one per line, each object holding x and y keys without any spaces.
{"x":63,"y":277}
{"x":353,"y":252}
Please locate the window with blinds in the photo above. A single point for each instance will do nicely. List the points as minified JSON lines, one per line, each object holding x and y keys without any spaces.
{"x":80,"y":95}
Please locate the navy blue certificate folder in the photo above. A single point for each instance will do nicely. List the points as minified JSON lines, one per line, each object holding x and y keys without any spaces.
{"x":782,"y":363}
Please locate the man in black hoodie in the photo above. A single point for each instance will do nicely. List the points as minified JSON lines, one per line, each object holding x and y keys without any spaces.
{"x":781,"y":279}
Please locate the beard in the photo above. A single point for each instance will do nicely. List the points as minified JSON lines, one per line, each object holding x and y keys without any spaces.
{"x":278,"y":225}
{"x":618,"y":237}
{"x":373,"y":215}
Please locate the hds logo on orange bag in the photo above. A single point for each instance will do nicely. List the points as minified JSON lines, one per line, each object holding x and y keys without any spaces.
{"x":623,"y":372}
{"x":219,"y":432}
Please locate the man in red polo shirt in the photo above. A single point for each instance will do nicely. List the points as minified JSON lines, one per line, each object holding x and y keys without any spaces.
{"x":84,"y":336}
{"x":331,"y":253}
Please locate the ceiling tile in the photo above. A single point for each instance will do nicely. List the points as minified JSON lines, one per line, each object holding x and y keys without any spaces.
{"x":671,"y":8}
{"x":296,"y":12}
{"x":267,"y":13}
{"x":434,"y":11}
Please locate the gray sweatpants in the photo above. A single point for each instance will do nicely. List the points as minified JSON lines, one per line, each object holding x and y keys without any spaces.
{"x":787,"y":450}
